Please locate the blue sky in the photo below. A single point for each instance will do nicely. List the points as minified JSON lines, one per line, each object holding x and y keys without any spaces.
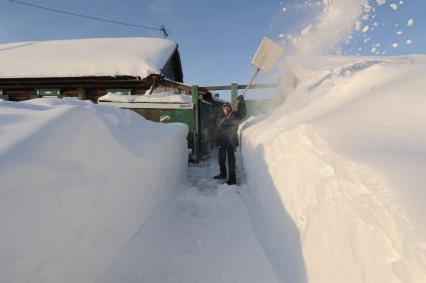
{"x":216,"y":38}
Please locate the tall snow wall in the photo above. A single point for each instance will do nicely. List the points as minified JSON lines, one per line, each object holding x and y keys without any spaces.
{"x":77,"y":182}
{"x":336,"y":189}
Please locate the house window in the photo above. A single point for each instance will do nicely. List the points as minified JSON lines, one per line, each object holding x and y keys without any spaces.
{"x":49,"y":93}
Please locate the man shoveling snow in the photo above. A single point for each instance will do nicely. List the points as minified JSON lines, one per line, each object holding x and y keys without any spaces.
{"x":228,"y":138}
{"x":266,"y":56}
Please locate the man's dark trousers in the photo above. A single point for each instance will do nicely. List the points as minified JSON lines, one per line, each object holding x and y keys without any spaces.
{"x":230,"y":152}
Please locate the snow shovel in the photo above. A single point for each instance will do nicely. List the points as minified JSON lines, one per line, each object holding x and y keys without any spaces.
{"x":266,"y":56}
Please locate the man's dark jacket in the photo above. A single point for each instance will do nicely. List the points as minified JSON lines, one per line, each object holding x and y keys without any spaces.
{"x":228,"y":126}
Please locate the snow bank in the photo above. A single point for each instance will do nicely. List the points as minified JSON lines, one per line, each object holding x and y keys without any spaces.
{"x":162,"y":97}
{"x":136,"y":57}
{"x":77,"y":182}
{"x":336,"y":173}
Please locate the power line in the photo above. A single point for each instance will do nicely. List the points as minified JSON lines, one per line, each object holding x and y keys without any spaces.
{"x":162,"y":28}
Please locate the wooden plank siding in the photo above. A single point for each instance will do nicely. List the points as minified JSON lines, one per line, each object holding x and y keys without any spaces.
{"x":77,"y":87}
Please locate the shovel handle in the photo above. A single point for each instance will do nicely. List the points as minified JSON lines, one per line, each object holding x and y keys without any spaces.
{"x":251,"y":82}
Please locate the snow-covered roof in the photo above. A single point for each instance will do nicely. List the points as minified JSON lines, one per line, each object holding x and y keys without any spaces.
{"x":96,"y":57}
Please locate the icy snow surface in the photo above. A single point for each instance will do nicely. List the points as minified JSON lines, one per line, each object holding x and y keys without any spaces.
{"x":78,"y":181}
{"x":201,"y":233}
{"x":137,"y":57}
{"x":336,"y":173}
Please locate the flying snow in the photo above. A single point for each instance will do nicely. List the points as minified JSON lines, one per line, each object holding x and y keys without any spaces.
{"x":394,"y":6}
{"x":343,"y":14}
{"x":365,"y":29}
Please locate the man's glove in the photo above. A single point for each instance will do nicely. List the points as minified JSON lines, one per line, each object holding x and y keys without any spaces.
{"x":240,"y":98}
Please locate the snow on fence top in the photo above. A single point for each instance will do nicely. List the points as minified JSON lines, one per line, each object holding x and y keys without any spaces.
{"x":162,"y":97}
{"x":96,"y":57}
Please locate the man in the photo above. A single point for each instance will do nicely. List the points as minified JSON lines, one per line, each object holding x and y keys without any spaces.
{"x":228,"y":138}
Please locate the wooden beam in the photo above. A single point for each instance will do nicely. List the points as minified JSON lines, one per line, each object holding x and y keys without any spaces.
{"x":186,"y":87}
{"x":87,"y":84}
{"x":229,"y":87}
{"x":178,"y":85}
{"x":78,"y":81}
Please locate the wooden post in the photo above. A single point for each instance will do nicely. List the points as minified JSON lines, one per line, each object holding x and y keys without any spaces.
{"x":195,"y":100}
{"x":3,"y":96}
{"x":234,"y":95}
{"x":155,"y":81}
{"x":81,"y":93}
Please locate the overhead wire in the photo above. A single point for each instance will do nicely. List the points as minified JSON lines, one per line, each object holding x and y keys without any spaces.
{"x":165,"y":32}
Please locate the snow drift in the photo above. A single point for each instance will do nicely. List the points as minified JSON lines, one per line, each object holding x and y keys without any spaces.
{"x":336,"y":173}
{"x":77,"y":182}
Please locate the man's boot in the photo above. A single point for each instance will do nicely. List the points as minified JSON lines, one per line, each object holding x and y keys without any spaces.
{"x":232,"y":179}
{"x":222,"y":165}
{"x":222,"y":175}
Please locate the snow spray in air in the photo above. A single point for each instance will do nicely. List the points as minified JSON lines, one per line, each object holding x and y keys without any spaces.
{"x":322,"y":36}
{"x":331,"y":27}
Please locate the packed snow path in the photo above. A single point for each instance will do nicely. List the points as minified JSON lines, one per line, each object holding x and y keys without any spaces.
{"x":201,"y":233}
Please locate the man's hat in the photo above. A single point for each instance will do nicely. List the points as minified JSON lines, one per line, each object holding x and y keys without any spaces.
{"x":227,"y":104}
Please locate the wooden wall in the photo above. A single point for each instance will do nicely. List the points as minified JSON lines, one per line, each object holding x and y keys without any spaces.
{"x":173,"y":68}
{"x":83,"y":88}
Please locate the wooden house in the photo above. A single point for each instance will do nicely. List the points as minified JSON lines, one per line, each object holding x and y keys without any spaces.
{"x":86,"y":68}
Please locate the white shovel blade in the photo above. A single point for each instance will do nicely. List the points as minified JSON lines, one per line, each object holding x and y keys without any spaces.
{"x":267,"y":54}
